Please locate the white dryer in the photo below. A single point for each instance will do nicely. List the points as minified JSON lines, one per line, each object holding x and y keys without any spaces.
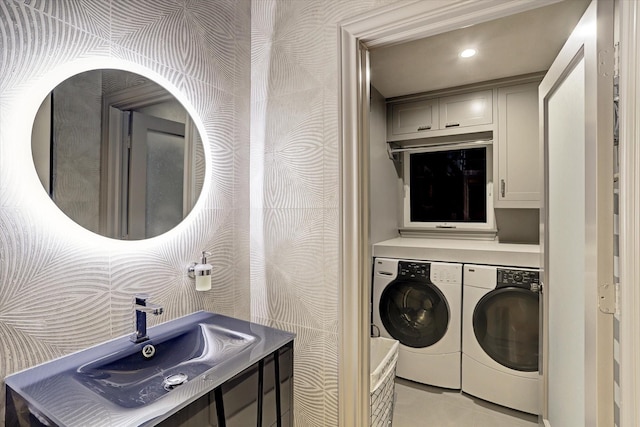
{"x":419,"y":304}
{"x":500,"y":335}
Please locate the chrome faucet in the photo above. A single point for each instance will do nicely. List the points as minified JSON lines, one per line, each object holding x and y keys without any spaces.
{"x":142,"y":307}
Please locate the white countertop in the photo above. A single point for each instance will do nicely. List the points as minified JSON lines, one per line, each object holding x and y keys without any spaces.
{"x":488,"y":252}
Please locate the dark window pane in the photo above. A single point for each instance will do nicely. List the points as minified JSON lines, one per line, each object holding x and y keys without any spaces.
{"x":449,"y":186}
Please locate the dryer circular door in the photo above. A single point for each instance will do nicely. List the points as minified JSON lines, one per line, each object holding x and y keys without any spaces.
{"x":416,"y":313}
{"x":505,"y":323}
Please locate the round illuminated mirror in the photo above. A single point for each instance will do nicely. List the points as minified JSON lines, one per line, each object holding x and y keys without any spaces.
{"x":118,"y":154}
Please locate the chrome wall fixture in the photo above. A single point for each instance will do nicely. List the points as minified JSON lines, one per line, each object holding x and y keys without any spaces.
{"x":202,"y":273}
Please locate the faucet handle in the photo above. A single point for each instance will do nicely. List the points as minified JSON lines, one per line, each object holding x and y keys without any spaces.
{"x":140,"y":299}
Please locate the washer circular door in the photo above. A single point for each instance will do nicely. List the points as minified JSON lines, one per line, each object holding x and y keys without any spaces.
{"x":416,"y":313}
{"x":505,"y":323}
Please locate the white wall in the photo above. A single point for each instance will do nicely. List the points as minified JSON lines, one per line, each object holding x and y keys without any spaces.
{"x":384,"y":183}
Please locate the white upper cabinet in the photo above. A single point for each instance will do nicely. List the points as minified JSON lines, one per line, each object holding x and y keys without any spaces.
{"x":411,"y":117}
{"x":451,"y":115}
{"x":469,"y":109}
{"x":518,"y":172}
{"x":508,"y":111}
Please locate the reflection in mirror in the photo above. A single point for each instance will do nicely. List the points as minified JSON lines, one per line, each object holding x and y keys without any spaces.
{"x":118,"y":154}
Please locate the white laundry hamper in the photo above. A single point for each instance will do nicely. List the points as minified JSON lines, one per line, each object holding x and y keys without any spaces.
{"x":383,"y":361}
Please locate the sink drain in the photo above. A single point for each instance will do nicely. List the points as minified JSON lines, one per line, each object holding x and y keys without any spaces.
{"x":173,"y":381}
{"x":148,"y":351}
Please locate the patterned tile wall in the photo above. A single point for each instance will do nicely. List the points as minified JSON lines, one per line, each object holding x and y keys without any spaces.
{"x":262,"y":75}
{"x":63,"y":288}
{"x":294,"y":158}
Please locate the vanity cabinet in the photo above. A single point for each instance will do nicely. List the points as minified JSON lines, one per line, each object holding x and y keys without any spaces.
{"x":251,"y":398}
{"x":449,"y":115}
{"x":208,"y":370}
{"x":517,"y":174}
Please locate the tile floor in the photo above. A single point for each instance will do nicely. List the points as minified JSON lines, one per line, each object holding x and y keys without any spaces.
{"x":418,"y":405}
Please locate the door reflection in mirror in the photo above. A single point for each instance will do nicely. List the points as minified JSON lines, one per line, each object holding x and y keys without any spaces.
{"x":118,"y":154}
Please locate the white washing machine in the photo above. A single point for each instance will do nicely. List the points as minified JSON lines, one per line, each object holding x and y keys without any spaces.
{"x":500,"y":332}
{"x":419,"y":304}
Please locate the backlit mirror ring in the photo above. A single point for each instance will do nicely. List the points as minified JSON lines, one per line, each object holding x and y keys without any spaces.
{"x":44,"y":86}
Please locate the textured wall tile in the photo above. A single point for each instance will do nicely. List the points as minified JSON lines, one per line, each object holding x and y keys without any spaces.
{"x":309,"y":373}
{"x":50,"y":304}
{"x":287,"y":81}
{"x":331,"y":282}
{"x":293,"y":254}
{"x":331,"y":120}
{"x":287,"y":53}
{"x":242,"y":92}
{"x":91,"y":16}
{"x":241,"y":265}
{"x":242,"y":39}
{"x":154,"y":64}
{"x":154,"y":29}
{"x":331,"y":378}
{"x":292,"y":182}
{"x":294,"y":121}
{"x":309,"y":378}
{"x":242,"y":158}
{"x":208,"y":47}
{"x":47,"y":262}
{"x":193,"y":37}
{"x":287,"y":254}
{"x":293,"y":164}
{"x":33,"y":43}
{"x":331,"y":155}
{"x":216,"y":108}
{"x":160,"y":270}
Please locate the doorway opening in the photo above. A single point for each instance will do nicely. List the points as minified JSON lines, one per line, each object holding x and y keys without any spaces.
{"x":390,"y":26}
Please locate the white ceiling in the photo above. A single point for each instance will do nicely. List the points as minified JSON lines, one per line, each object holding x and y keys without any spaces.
{"x":518,"y":44}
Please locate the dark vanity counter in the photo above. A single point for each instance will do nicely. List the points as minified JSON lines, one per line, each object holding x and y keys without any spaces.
{"x":111,"y":384}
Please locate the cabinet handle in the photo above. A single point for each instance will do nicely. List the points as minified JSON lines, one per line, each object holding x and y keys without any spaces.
{"x":503,"y":188}
{"x":424,"y":127}
{"x":452,"y":125}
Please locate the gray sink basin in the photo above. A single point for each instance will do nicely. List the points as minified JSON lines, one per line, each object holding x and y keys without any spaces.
{"x":113,"y":384}
{"x":129,"y":379}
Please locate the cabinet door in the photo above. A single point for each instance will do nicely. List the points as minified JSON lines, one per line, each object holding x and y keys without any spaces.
{"x":412,"y":117}
{"x":469,"y":109}
{"x":518,"y":147}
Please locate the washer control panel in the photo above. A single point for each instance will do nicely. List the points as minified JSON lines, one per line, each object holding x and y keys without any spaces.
{"x":413,"y":270}
{"x":435,"y":272}
{"x":527,"y":279}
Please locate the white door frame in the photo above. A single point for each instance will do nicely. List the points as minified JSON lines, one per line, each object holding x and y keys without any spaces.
{"x":386,"y":26}
{"x":629,"y":214}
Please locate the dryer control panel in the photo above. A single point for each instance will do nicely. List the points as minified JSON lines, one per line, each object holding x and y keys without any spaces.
{"x":527,"y":279}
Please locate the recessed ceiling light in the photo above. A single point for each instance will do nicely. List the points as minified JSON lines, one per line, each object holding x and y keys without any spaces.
{"x":467,"y":53}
